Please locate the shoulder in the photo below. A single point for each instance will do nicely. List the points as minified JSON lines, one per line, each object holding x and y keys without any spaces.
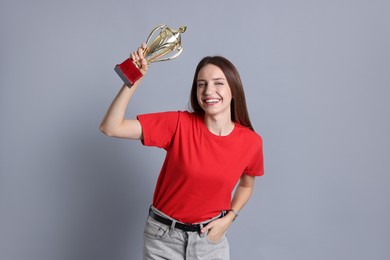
{"x":188,"y":116}
{"x":160,"y":114}
{"x":178,"y":116}
{"x":249,"y":135}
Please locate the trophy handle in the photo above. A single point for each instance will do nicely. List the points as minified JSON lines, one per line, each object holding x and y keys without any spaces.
{"x":161,"y":26}
{"x":180,"y":49}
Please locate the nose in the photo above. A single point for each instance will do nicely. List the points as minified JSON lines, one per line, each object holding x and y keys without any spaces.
{"x":209,"y":88}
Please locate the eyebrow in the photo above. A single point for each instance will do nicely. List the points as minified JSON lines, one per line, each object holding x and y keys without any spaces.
{"x":211,"y":79}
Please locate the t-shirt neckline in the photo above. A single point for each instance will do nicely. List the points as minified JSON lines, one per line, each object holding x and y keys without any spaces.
{"x":214,"y":136}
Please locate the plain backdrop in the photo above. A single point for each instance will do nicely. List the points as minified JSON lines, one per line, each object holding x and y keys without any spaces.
{"x":316,"y":76}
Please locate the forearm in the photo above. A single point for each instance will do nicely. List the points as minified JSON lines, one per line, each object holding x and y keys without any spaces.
{"x":242,"y":194}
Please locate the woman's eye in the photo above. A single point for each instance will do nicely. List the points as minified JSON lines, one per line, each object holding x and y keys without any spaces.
{"x":219,"y":83}
{"x":200,"y":85}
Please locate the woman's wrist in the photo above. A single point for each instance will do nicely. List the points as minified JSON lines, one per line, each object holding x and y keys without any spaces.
{"x":230,"y":215}
{"x":235,"y":212}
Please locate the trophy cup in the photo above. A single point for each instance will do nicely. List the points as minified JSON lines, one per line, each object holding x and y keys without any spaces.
{"x":167,"y":41}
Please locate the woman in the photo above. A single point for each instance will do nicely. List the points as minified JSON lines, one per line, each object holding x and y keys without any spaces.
{"x":209,"y":151}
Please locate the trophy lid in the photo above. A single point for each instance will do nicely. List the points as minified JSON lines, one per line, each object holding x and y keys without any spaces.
{"x":182,"y":29}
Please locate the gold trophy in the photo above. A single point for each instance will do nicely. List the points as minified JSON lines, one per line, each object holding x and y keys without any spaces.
{"x":167,"y":41}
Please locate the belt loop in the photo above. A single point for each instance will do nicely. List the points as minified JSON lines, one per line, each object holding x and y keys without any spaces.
{"x":172,"y":227}
{"x":200,"y":230}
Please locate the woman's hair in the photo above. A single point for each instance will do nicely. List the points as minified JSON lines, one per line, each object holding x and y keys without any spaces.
{"x":238,"y":109}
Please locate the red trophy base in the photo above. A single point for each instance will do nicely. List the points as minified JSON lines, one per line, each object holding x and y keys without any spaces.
{"x":128,"y":72}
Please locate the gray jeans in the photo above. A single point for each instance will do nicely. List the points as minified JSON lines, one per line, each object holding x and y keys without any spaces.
{"x":162,"y":242}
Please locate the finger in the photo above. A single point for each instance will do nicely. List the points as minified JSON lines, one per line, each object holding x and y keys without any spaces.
{"x":144,"y":65}
{"x":132,"y":55}
{"x":207,"y":228}
{"x":135,"y":56}
{"x":141,"y":53}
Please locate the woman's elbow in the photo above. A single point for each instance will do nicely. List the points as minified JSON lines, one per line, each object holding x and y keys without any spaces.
{"x":105,"y":130}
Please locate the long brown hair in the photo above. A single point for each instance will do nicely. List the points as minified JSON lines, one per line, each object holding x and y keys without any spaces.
{"x":238,"y":108}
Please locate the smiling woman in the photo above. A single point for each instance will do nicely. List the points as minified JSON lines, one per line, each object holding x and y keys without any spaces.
{"x":223,"y":73}
{"x":214,"y":97}
{"x":209,"y":151}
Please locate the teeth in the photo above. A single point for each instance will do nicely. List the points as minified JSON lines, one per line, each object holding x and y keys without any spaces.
{"x":211,"y":101}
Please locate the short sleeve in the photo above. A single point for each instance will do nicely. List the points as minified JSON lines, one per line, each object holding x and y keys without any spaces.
{"x":255,"y":166}
{"x":159,"y":128}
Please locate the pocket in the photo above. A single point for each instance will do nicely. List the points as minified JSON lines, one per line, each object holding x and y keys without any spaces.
{"x":210,"y":241}
{"x":155,"y":229}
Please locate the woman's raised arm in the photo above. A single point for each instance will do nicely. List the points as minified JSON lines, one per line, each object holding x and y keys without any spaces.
{"x":114,"y":123}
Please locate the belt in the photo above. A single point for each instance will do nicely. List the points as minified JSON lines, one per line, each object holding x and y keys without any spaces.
{"x":179,"y":225}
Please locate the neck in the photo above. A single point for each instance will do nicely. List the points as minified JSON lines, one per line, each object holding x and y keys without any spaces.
{"x":219,"y":126}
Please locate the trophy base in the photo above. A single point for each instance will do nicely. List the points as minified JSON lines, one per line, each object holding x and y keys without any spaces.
{"x":128,"y":72}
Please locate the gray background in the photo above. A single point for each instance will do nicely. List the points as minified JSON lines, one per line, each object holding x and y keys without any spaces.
{"x":317,"y":77}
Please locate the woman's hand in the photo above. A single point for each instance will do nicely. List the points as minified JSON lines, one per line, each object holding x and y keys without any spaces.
{"x":139,"y":59}
{"x":216,"y":229}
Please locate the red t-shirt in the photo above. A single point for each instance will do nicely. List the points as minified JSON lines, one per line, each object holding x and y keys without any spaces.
{"x":201,"y":169}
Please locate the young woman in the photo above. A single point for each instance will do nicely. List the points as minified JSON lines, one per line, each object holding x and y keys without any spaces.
{"x":209,"y":151}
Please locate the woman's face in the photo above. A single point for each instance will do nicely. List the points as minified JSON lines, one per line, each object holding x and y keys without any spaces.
{"x":213,"y":91}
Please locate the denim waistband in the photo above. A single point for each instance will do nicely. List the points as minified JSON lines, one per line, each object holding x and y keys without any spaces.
{"x":223,"y":213}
